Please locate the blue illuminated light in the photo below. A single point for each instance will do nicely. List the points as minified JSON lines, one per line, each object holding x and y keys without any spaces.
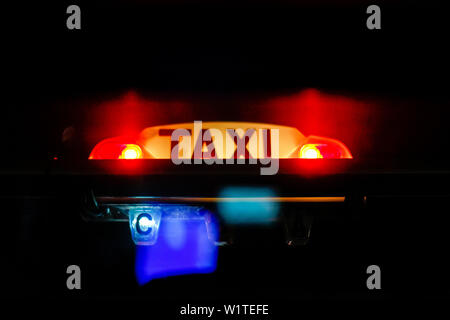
{"x":185,"y":245}
{"x":248,"y":205}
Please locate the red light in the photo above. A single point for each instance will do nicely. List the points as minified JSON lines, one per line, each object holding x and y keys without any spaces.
{"x":131,"y":151}
{"x":310,"y":151}
{"x":117,"y":148}
{"x":324,"y":148}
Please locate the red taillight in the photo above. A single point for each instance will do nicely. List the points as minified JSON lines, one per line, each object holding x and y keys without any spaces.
{"x":131,"y":151}
{"x":116,"y":148}
{"x":324,"y":148}
{"x":310,"y":151}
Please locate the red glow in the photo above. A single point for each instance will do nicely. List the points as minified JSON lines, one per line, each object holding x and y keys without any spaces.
{"x":314,"y":112}
{"x":324,"y":148}
{"x":116,"y":148}
{"x":131,"y":151}
{"x":310,"y":151}
{"x":311,"y":111}
{"x":128,"y":114}
{"x":123,"y":116}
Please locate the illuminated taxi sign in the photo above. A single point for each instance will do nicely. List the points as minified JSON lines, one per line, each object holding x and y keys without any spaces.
{"x":223,"y":140}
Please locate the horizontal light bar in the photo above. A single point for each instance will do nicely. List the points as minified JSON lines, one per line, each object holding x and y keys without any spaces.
{"x":220,"y":199}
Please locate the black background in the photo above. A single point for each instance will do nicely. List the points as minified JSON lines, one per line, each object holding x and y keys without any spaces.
{"x":213,"y":56}
{"x":224,"y":61}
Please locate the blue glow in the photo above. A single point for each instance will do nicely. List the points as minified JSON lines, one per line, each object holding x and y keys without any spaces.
{"x":175,"y":235}
{"x":185,"y":245}
{"x":245,"y":210}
